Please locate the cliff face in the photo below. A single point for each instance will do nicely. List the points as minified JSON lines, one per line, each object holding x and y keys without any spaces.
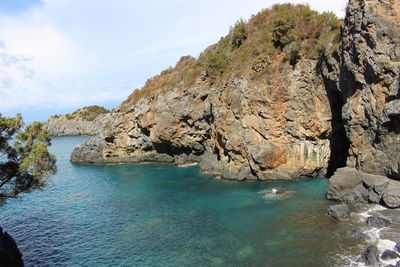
{"x":85,"y":121}
{"x":369,"y":84}
{"x":61,"y":126}
{"x":244,"y":129}
{"x":303,"y":118}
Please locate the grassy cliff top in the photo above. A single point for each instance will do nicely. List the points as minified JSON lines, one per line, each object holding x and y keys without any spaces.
{"x":283,"y":34}
{"x":87,"y":113}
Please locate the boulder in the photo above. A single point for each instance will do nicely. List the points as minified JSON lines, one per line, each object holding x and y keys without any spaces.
{"x":339,"y":212}
{"x":378,"y":222}
{"x":391,"y":196}
{"x":389,"y":255}
{"x":279,"y":190}
{"x":9,"y":252}
{"x":370,"y":256}
{"x":397,"y":247}
{"x":353,"y":186}
{"x":354,"y":233}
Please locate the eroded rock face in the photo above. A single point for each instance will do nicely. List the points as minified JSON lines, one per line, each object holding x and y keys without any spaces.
{"x":305,"y":120}
{"x":245,"y":129}
{"x":352,"y":186}
{"x":61,"y":126}
{"x":369,"y":84}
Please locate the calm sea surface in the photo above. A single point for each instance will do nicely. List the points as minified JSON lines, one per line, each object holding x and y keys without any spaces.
{"x":161,"y":215}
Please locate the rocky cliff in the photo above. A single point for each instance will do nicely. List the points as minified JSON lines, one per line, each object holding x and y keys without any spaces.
{"x":85,"y":121}
{"x":275,"y":99}
{"x":369,"y":84}
{"x":274,"y":121}
{"x":241,"y":130}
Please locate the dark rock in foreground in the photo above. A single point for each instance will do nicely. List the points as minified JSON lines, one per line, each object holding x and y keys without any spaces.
{"x":9,"y":253}
{"x":352,"y":186}
{"x":370,"y":256}
{"x":389,"y":255}
{"x":339,"y":212}
{"x":378,"y":222}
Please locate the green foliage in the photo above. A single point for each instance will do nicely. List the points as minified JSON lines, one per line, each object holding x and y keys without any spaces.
{"x":289,"y":32}
{"x":283,"y":24}
{"x":24,"y":158}
{"x":87,"y":113}
{"x":216,"y":65}
{"x":239,"y":34}
{"x":261,"y":63}
{"x":70,"y":116}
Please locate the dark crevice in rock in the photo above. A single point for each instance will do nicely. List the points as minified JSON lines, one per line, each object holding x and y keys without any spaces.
{"x":393,"y":125}
{"x":169,"y":149}
{"x":339,"y":143}
{"x":144,"y":131}
{"x":109,"y":139}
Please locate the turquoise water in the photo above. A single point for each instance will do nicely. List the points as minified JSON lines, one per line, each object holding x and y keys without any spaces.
{"x":161,"y":215}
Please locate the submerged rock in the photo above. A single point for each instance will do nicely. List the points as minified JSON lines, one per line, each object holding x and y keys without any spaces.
{"x":279,"y":190}
{"x":9,"y":252}
{"x":370,"y":256}
{"x":357,"y":234}
{"x":378,"y":222}
{"x":389,"y":255}
{"x":339,"y":212}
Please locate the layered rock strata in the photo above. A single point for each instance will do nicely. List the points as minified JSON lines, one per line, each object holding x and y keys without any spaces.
{"x":240,"y":130}
{"x":62,"y":126}
{"x":369,"y":84}
{"x":304,"y":120}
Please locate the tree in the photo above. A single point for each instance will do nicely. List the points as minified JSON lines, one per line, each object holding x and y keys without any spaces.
{"x":24,"y":158}
{"x":283,"y":24}
{"x":216,"y":65}
{"x":239,"y":34}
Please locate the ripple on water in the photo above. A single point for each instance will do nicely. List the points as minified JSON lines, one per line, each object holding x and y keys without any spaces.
{"x":160,"y":215}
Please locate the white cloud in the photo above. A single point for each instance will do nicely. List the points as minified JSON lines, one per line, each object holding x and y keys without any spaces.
{"x":68,"y":53}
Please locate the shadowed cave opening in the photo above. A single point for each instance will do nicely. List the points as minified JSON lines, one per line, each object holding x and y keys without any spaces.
{"x":339,"y":143}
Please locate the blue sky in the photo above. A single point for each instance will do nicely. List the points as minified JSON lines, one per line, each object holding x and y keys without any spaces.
{"x":59,"y":55}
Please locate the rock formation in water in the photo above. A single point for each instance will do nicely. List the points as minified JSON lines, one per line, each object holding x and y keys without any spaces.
{"x":284,"y":96}
{"x":85,"y":121}
{"x":9,"y":253}
{"x":266,"y":115}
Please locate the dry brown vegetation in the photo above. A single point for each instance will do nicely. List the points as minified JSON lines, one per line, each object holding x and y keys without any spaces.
{"x":284,"y":32}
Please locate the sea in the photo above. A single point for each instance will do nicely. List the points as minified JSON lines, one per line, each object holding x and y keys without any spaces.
{"x":164,"y":215}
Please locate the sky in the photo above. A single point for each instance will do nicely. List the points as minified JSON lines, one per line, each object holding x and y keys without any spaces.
{"x":60,"y":55}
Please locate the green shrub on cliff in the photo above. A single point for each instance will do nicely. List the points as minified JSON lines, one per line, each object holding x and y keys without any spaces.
{"x":283,"y":34}
{"x":24,"y":158}
{"x":87,"y":113}
{"x":239,"y":34}
{"x":283,"y":24}
{"x":215,"y":66}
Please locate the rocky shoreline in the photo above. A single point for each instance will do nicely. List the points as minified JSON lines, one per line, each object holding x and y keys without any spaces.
{"x":306,"y":120}
{"x":377,"y":229}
